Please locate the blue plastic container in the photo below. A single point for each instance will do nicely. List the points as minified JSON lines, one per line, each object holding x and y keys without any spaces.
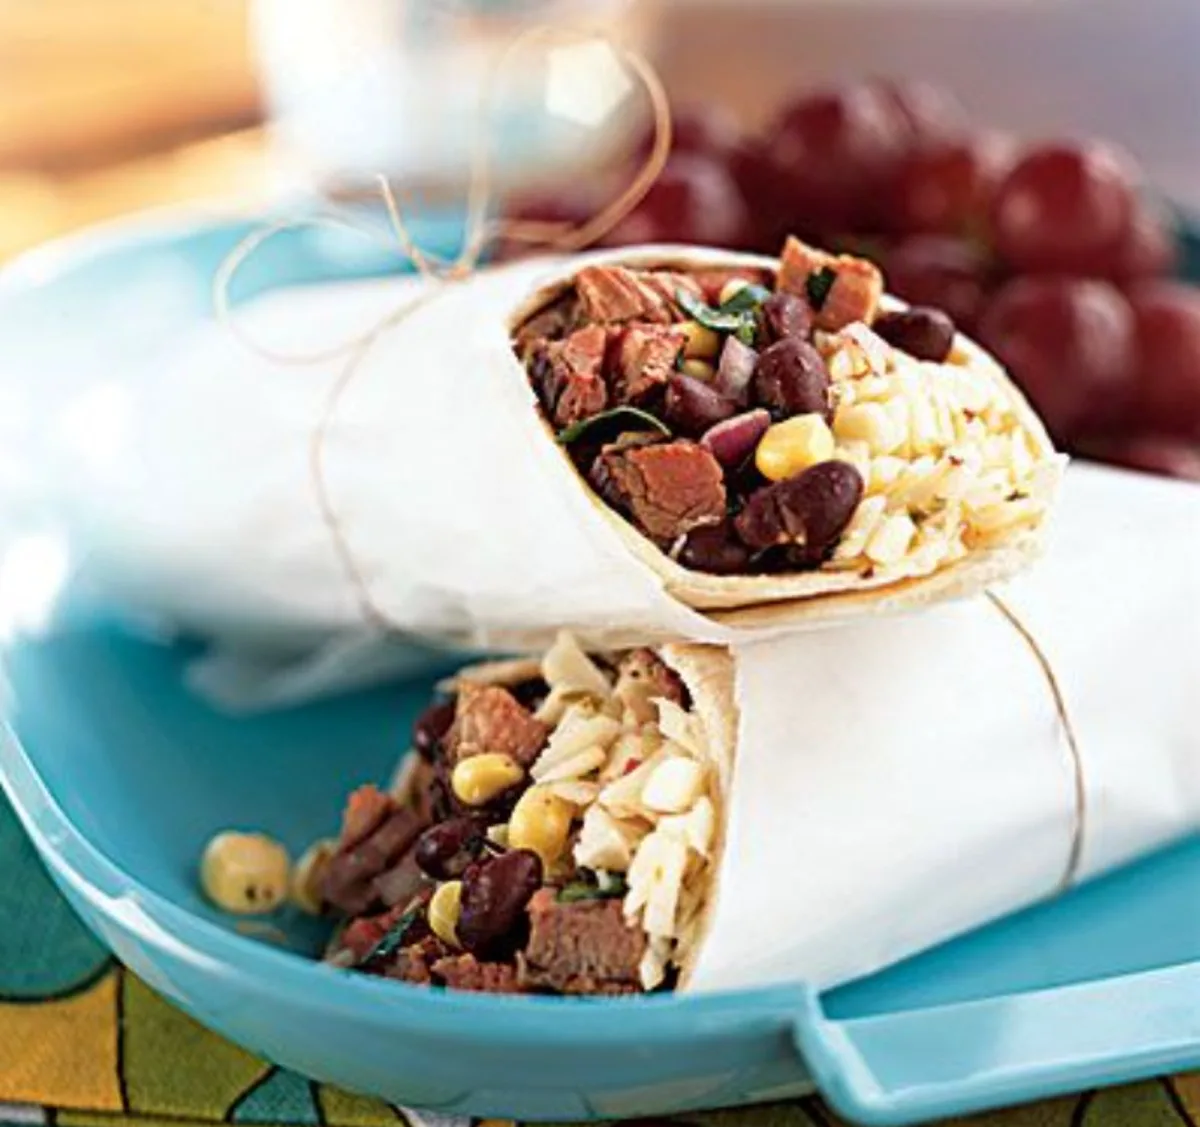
{"x":120,"y":776}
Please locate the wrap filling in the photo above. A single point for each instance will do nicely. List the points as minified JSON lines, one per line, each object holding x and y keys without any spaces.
{"x":749,"y":421}
{"x":553,"y":831}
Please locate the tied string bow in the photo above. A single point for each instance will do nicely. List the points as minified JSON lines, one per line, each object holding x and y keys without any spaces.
{"x":480,"y":233}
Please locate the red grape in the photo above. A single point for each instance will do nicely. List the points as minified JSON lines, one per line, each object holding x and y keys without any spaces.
{"x":926,"y":115}
{"x":949,"y":274}
{"x":1069,"y":343}
{"x":947,"y":189}
{"x":1167,"y":317}
{"x":1064,"y":208}
{"x":695,"y":200}
{"x":1150,"y":247}
{"x":832,"y":151}
{"x":1151,"y":453}
{"x":767,"y":204}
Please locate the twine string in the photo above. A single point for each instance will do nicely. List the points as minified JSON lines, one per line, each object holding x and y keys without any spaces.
{"x":437,"y":271}
{"x":1079,"y":782}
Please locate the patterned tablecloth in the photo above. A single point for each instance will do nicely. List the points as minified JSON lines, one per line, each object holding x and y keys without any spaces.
{"x":84,"y":1043}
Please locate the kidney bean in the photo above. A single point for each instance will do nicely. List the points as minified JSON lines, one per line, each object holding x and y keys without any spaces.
{"x":691,"y":406}
{"x":494,"y":895}
{"x":735,"y":369}
{"x":431,"y":728}
{"x":733,"y":440}
{"x":715,"y":550}
{"x":786,"y":315}
{"x":811,"y":509}
{"x":445,"y":850}
{"x":790,"y":379}
{"x":922,"y":331}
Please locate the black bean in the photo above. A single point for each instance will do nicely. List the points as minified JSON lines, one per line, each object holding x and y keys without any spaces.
{"x":714,"y":550}
{"x":922,"y":331}
{"x":691,"y":406}
{"x":786,"y":315}
{"x":791,"y":379}
{"x":494,"y":894}
{"x":431,"y":728}
{"x":811,"y":509}
{"x":444,"y":851}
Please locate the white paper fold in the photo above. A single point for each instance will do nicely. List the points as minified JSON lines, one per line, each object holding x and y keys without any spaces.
{"x":200,"y":511}
{"x":901,"y":781}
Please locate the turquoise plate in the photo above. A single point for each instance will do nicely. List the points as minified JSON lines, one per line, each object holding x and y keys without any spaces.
{"x":120,"y":776}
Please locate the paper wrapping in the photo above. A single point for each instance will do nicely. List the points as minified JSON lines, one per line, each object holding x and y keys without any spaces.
{"x":901,"y":781}
{"x":462,"y":519}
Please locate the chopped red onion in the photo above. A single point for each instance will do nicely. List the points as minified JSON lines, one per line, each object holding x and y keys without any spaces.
{"x":735,"y":369}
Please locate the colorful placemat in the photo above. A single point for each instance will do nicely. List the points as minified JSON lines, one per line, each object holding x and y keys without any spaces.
{"x":84,"y":1043}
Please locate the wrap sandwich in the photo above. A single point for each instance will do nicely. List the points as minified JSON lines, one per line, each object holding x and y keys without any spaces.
{"x":808,"y":808}
{"x":756,"y":445}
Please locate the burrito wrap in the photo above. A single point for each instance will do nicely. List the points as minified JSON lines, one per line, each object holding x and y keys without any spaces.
{"x":755,"y":600}
{"x":460,"y":518}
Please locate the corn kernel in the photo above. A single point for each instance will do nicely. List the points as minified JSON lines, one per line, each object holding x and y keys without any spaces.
{"x":699,"y":341}
{"x":305,"y":888}
{"x":890,"y":541}
{"x":698,"y":370}
{"x":540,"y":821}
{"x":793,"y":445}
{"x":245,"y":873}
{"x":730,"y":289}
{"x":870,"y":423}
{"x":445,"y":906}
{"x":478,"y":779}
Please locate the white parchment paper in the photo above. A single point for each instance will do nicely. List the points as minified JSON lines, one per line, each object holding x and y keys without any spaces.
{"x":464,"y":521}
{"x":901,"y":781}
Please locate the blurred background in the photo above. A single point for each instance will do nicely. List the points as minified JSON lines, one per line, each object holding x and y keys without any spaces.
{"x":109,"y":107}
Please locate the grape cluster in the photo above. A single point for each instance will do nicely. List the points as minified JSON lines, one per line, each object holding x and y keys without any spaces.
{"x":1055,"y":255}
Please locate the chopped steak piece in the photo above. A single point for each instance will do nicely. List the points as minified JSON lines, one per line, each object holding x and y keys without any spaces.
{"x":668,"y":488}
{"x":349,"y":880}
{"x":645,"y":359}
{"x":490,"y":718}
{"x":572,"y":375}
{"x":550,"y":324}
{"x":852,"y":295}
{"x":585,"y":947}
{"x":415,"y":962}
{"x":615,"y":293}
{"x":365,"y":809}
{"x":419,"y":790}
{"x":465,"y":972}
{"x":645,"y":666}
{"x":667,"y":284}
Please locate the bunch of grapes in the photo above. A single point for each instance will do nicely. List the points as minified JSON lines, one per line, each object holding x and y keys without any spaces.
{"x":1056,"y":256}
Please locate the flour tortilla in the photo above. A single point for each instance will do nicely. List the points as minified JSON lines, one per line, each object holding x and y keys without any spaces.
{"x":768,"y":600}
{"x":709,"y":674}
